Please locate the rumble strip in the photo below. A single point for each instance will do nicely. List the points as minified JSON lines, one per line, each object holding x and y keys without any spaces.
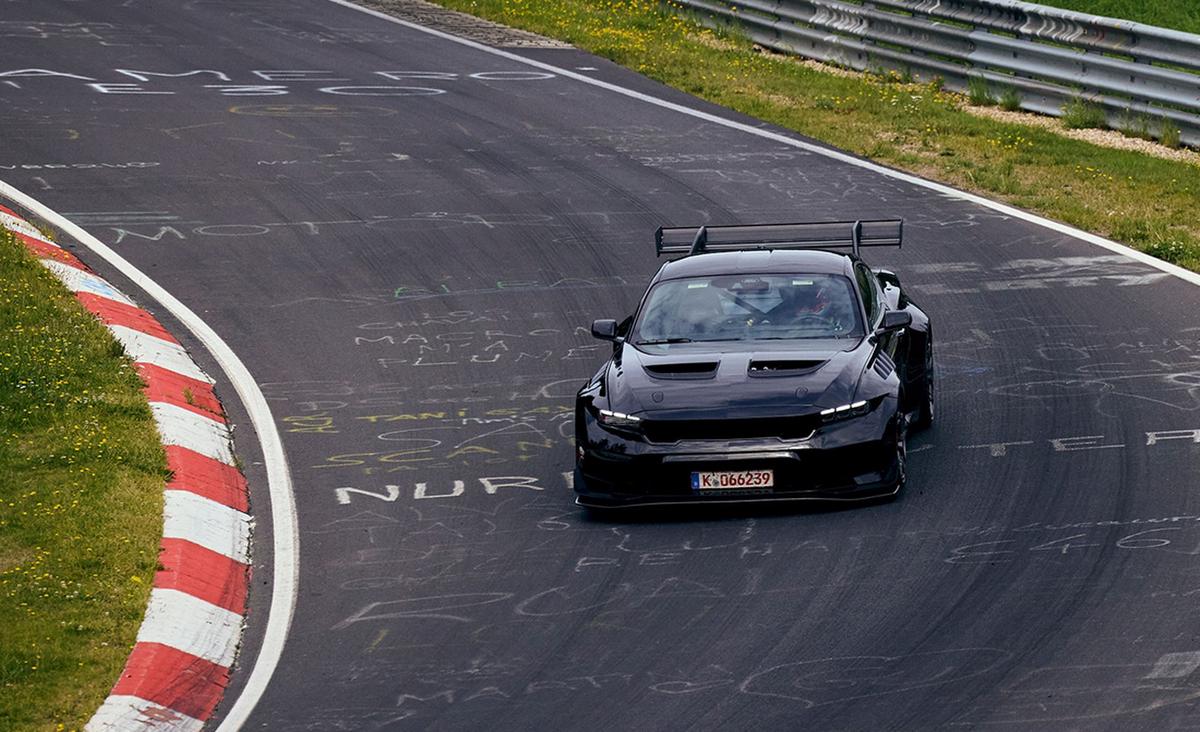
{"x":180,"y":664}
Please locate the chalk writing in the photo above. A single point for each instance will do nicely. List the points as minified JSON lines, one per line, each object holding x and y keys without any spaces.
{"x":847,"y":678}
{"x":391,"y":493}
{"x":80,"y":166}
{"x":1085,"y":443}
{"x":1004,"y":550}
{"x":171,"y":83}
{"x":1041,"y":274}
{"x":449,"y":398}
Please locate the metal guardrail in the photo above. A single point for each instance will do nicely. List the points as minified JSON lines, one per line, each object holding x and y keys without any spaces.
{"x":1049,"y":56}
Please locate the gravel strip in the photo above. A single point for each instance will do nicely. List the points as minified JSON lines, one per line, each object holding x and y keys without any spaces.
{"x":1103,"y":138}
{"x":463,"y":25}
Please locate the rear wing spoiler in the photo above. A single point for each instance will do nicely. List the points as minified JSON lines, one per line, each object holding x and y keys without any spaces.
{"x":691,"y":240}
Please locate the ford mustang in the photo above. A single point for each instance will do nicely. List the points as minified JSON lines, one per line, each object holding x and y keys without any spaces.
{"x":763,"y":364}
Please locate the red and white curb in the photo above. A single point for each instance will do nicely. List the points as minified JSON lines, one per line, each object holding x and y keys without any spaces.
{"x":180,"y":664}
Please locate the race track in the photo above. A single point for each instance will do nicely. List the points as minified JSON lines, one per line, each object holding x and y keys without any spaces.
{"x":405,"y":239}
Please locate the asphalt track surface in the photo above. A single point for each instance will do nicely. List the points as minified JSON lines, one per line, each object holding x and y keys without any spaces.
{"x":410,"y":280}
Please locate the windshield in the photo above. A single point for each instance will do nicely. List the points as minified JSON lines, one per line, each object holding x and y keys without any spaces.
{"x":748,"y":308}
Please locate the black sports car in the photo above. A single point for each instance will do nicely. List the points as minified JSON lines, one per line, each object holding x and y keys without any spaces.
{"x":759,"y":366}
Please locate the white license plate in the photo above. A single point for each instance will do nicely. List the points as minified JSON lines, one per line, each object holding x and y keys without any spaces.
{"x":732,"y":480}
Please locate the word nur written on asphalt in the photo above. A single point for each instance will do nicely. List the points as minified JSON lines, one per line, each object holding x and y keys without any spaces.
{"x":279,"y":81}
{"x":392,"y":493}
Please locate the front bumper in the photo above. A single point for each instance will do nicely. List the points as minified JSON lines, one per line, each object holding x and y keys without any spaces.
{"x":841,"y":462}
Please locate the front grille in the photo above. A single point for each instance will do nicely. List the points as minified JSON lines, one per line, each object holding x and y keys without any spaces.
{"x":674,"y":430}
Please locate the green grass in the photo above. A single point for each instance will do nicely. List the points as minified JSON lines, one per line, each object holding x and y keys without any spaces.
{"x":1181,"y":15}
{"x":978,"y":92}
{"x":81,"y":483}
{"x":1010,"y":99}
{"x":1079,"y":114}
{"x":1168,"y":133}
{"x":1135,"y":125}
{"x":1144,"y":201}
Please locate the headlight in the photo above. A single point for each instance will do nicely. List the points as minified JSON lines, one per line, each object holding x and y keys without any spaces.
{"x":845,"y":411}
{"x":618,"y":420}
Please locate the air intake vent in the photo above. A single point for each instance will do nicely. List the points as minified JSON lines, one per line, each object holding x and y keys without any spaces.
{"x":783,"y":368}
{"x":692,"y":370}
{"x":786,"y":428}
{"x":884,"y":366}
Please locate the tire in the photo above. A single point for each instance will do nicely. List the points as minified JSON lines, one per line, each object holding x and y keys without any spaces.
{"x":926,"y":405}
{"x":901,"y":464}
{"x":901,"y":458}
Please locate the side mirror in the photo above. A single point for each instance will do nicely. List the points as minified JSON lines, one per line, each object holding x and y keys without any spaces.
{"x":894,"y":320}
{"x":606,"y":329}
{"x":887,"y":278}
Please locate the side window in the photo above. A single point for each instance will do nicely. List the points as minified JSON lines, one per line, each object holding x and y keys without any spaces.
{"x":870,"y":293}
{"x":623,"y":327}
{"x":880,"y":297}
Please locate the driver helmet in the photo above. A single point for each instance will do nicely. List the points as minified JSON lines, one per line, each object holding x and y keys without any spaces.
{"x":804,"y":298}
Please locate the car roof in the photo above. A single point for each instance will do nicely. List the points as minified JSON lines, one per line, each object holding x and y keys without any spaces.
{"x":757,"y":261}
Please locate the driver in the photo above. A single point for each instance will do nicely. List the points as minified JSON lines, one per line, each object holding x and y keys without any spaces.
{"x":799,"y":301}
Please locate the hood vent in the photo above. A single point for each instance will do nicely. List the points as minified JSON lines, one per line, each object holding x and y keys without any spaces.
{"x":692,"y":370}
{"x":790,"y":367}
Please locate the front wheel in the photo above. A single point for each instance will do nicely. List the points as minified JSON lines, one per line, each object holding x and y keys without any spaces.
{"x":925,"y":404}
{"x":901,"y":463}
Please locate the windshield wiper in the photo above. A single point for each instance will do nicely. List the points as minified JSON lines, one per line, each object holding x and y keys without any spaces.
{"x":662,"y":341}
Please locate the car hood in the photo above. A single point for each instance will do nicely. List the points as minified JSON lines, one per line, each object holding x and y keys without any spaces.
{"x":734,"y":380}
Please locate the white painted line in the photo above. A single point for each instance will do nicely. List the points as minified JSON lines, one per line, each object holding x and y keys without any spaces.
{"x":1175,"y":665}
{"x":842,"y":157}
{"x":15,"y":223}
{"x":183,"y":427}
{"x":189,"y":624}
{"x":77,"y":280}
{"x":203,"y":521}
{"x":285,"y":533}
{"x":145,"y":348}
{"x":119,"y":713}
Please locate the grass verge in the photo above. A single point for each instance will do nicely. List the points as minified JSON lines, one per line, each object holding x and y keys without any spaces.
{"x":1143,"y":201}
{"x":1184,"y":16}
{"x":81,"y":484}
